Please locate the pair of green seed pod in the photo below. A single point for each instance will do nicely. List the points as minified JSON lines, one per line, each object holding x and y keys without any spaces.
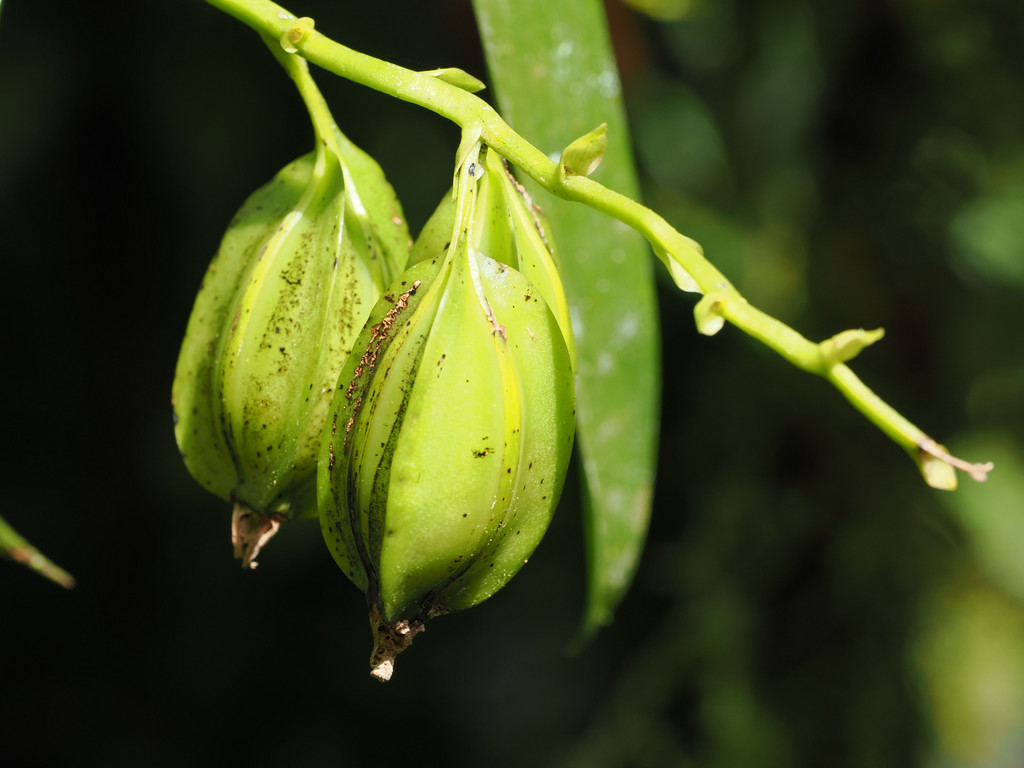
{"x":428,"y":417}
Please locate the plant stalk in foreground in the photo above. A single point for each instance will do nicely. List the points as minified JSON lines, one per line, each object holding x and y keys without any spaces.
{"x":444,"y":92}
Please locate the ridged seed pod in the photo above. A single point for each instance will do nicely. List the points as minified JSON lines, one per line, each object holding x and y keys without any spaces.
{"x":508,"y":228}
{"x":449,"y":435}
{"x":279,"y":309}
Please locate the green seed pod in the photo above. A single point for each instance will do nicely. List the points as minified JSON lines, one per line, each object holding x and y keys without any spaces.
{"x":508,"y":228}
{"x":280,"y":307}
{"x":449,"y":435}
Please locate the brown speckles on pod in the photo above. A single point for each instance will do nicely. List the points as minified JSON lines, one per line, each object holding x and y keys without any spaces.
{"x":435,"y":515}
{"x":279,"y":308}
{"x":378,"y":336}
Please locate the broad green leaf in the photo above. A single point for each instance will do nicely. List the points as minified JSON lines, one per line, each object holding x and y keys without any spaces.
{"x":554,"y":75}
{"x":14,"y":547}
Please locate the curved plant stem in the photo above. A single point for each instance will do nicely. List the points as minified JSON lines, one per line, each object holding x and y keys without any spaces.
{"x":684,"y":258}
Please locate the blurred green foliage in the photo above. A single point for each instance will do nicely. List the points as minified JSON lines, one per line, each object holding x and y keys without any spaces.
{"x":804,"y":599}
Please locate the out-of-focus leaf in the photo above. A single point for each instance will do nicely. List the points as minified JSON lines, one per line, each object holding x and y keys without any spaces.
{"x":666,"y":10}
{"x":987,"y":232}
{"x":970,"y":654}
{"x":992,"y":513}
{"x":14,"y":547}
{"x":555,"y":78}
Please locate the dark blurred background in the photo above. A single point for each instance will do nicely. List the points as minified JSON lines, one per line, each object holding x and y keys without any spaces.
{"x":804,"y":599}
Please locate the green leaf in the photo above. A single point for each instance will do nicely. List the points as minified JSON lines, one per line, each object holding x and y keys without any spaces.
{"x":554,"y":76}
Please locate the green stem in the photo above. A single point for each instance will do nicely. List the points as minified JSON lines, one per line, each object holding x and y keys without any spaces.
{"x":14,"y":547}
{"x":298,"y":70}
{"x":722,"y":302}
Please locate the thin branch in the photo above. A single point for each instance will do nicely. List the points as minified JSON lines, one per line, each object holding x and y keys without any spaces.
{"x":683,"y":257}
